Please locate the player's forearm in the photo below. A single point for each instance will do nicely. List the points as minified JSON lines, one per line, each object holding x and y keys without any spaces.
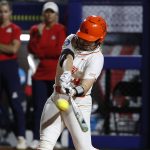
{"x":87,"y":84}
{"x":68,"y":63}
{"x":83,"y":88}
{"x":8,"y":49}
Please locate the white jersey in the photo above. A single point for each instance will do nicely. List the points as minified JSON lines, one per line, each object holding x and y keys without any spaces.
{"x":86,"y":64}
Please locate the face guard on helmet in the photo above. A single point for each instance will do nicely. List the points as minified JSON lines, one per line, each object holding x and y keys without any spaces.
{"x":92,"y":32}
{"x":84,"y":45}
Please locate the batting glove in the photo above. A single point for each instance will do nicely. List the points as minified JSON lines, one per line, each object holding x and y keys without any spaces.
{"x":65,"y":77}
{"x":71,"y":92}
{"x":65,"y":80}
{"x":65,"y":87}
{"x":68,"y":89}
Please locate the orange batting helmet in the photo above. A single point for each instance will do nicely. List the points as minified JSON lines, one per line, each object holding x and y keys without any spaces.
{"x":93,"y":28}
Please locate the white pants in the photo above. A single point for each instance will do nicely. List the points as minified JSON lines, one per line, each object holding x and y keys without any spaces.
{"x":53,"y":121}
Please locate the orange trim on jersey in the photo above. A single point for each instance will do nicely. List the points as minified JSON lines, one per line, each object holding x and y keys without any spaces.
{"x":89,"y":53}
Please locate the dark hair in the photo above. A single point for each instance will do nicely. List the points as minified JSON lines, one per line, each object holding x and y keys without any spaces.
{"x":4,"y":2}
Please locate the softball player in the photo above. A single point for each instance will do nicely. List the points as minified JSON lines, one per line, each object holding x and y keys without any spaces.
{"x":79,"y":66}
{"x":9,"y":77}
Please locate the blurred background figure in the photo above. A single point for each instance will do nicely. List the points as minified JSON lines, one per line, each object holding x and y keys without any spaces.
{"x":9,"y":78}
{"x":44,"y":48}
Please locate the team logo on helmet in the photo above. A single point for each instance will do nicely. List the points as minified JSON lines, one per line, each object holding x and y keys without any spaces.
{"x":67,"y":42}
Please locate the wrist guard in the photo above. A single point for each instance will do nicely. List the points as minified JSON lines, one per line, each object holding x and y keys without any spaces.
{"x":79,"y":91}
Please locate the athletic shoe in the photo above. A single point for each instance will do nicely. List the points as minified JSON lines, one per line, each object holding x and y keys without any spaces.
{"x":34,"y":144}
{"x":58,"y":145}
{"x":21,"y":143}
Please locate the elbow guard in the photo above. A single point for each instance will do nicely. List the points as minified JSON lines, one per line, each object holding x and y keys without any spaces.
{"x":63,"y":56}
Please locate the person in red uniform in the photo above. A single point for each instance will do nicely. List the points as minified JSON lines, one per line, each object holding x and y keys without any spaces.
{"x":45,"y":44}
{"x":9,"y":78}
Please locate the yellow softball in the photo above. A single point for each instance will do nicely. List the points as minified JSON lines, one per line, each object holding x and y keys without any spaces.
{"x":62,"y":104}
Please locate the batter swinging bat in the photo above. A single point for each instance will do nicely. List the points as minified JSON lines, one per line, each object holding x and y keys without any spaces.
{"x":79,"y":115}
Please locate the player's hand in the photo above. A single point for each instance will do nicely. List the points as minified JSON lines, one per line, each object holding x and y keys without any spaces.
{"x":68,"y":89}
{"x":65,"y":87}
{"x":66,"y":77}
{"x":71,"y":92}
{"x":65,"y":81}
{"x":40,"y":28}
